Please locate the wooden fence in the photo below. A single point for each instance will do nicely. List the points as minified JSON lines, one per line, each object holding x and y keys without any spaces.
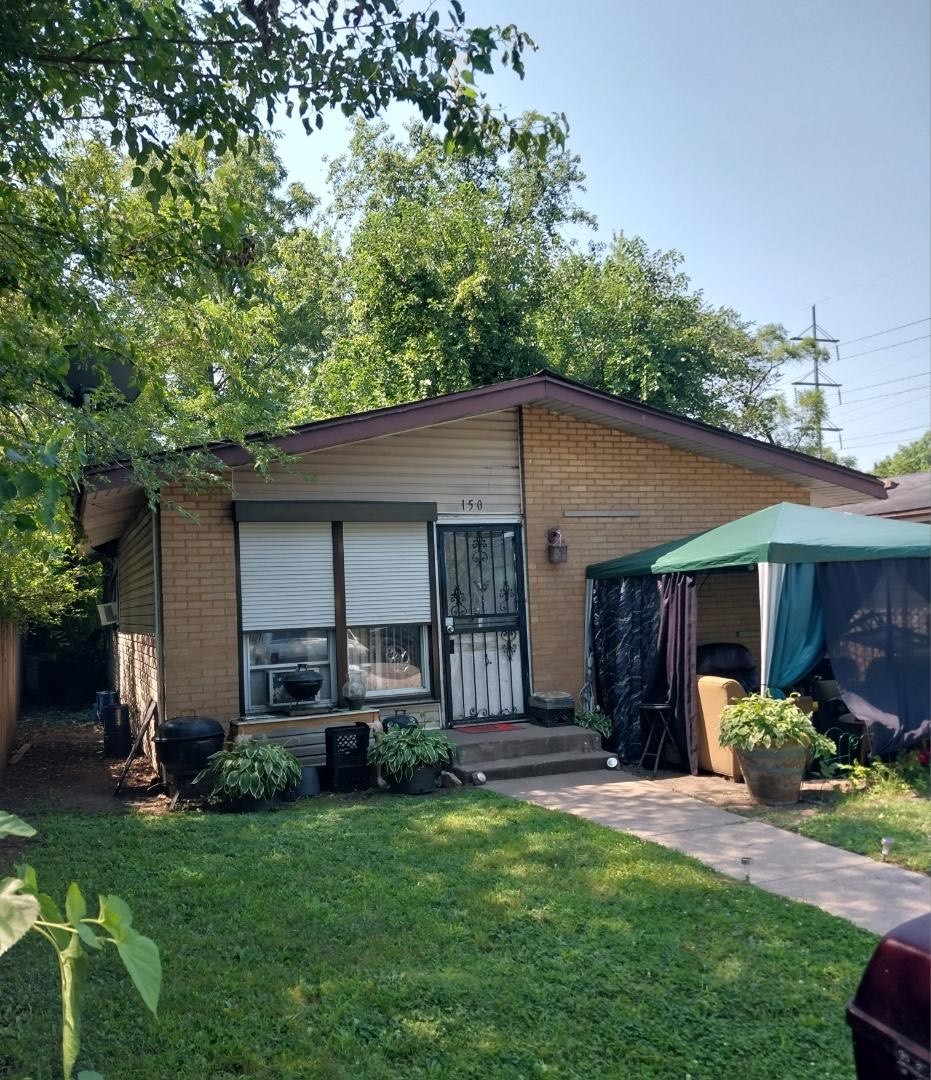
{"x":10,"y":675}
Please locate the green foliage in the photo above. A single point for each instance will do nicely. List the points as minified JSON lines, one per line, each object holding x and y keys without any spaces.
{"x":462,"y":272}
{"x":595,"y":720}
{"x":23,"y":908}
{"x":370,"y":937}
{"x":137,"y":198}
{"x":761,"y":721}
{"x":909,"y":458}
{"x":253,"y":768}
{"x":42,"y":578}
{"x":906,"y":775}
{"x":401,"y":750}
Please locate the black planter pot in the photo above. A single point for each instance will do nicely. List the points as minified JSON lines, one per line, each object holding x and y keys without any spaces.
{"x":249,"y":804}
{"x":422,"y":782}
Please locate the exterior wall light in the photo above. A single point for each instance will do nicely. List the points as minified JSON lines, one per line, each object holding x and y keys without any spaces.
{"x":556,"y":548}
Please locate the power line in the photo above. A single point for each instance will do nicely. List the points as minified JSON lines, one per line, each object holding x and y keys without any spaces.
{"x":881,"y":414}
{"x":879,"y":333}
{"x":889,"y":382}
{"x":864,"y":412}
{"x":869,"y":281}
{"x":878,"y":439}
{"x":879,"y":397}
{"x":883,"y":348}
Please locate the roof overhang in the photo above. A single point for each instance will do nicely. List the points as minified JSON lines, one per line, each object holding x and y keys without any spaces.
{"x":545,"y":390}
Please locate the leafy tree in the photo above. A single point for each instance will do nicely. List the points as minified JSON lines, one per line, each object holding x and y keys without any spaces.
{"x":628,"y":321}
{"x":176,"y":88}
{"x":800,"y":426}
{"x":461,"y":271}
{"x":447,"y":260}
{"x":909,"y":458}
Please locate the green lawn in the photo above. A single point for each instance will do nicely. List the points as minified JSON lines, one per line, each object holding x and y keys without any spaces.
{"x":457,"y":936}
{"x":857,"y":821}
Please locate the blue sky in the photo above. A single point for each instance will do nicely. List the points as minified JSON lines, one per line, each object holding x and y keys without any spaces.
{"x":783,"y":148}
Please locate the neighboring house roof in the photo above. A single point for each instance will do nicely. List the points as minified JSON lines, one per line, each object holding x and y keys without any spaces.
{"x":907,"y":496}
{"x":547,"y":390}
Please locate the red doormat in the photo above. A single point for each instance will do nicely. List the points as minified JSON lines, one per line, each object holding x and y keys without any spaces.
{"x":479,"y":729}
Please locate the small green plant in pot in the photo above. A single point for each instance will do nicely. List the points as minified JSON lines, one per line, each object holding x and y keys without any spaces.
{"x":773,"y":739}
{"x":596,"y":720}
{"x":411,"y":758}
{"x":250,"y":775}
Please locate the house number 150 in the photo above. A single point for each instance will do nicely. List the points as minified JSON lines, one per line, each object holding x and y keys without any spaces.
{"x":471,"y":504}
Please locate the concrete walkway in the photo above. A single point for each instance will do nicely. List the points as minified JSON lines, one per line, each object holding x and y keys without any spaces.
{"x":874,"y":895}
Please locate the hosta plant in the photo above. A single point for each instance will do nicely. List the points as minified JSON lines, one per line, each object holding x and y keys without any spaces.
{"x":401,"y":750}
{"x":74,"y":935}
{"x":595,"y":720}
{"x":254,"y":769}
{"x":757,"y":721}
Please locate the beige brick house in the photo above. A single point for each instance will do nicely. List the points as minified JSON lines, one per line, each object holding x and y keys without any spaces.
{"x":411,"y":544}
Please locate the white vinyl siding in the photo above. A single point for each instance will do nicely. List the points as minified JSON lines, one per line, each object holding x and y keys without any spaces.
{"x":286,"y":575}
{"x":476,"y":459}
{"x":136,"y":578}
{"x":387,"y":572}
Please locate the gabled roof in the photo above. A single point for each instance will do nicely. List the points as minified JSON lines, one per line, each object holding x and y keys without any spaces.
{"x":112,"y":489}
{"x":547,"y":390}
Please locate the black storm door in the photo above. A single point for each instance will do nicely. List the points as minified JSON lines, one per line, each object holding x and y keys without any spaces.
{"x":482,"y":600}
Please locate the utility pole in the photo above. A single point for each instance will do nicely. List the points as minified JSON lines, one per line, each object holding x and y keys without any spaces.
{"x":817,"y":379}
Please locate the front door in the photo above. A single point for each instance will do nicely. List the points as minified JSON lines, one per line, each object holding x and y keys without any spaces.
{"x":482,"y":599}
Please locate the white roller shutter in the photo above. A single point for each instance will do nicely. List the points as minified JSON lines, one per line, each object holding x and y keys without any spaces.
{"x":286,"y":574}
{"x":387,"y":569}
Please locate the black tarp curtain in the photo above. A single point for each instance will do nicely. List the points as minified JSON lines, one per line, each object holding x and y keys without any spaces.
{"x":674,"y":681}
{"x":625,"y":627}
{"x":643,"y":650}
{"x":876,"y":628}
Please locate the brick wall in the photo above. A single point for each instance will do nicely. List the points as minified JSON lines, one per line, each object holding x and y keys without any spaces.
{"x":199,"y":620}
{"x":569,"y":464}
{"x":729,"y":610}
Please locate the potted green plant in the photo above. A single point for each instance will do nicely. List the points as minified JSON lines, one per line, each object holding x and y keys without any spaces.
{"x":773,"y":739}
{"x":411,"y":758}
{"x":596,"y":720}
{"x":250,"y":775}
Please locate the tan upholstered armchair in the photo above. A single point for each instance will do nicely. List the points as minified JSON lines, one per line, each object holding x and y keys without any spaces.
{"x":714,"y":693}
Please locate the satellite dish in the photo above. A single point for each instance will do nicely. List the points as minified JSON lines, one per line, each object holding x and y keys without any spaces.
{"x":88,"y":368}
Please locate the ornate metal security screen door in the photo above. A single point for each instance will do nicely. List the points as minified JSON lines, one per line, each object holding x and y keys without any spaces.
{"x":483,"y":618}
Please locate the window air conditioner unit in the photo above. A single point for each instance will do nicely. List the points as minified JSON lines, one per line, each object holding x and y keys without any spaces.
{"x":109,"y":614}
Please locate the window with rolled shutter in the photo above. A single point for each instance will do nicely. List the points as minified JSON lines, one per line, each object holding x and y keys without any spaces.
{"x":387,"y":572}
{"x":286,"y":575}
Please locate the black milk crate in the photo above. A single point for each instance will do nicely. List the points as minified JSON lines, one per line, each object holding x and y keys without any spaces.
{"x":347,"y":767}
{"x":348,"y":778}
{"x":551,"y":708}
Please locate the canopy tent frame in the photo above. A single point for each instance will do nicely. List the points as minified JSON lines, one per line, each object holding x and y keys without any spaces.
{"x":776,"y":540}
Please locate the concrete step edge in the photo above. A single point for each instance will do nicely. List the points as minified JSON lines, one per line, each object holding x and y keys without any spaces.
{"x":532,"y":765}
{"x":551,"y":743}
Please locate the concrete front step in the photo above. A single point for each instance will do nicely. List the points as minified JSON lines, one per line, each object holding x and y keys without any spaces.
{"x":533,"y":765}
{"x":523,"y":740}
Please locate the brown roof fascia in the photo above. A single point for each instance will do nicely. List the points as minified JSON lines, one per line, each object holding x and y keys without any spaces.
{"x":533,"y":389}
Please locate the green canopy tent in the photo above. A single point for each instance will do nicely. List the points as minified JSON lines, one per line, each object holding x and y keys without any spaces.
{"x":806,"y":558}
{"x":784,"y":533}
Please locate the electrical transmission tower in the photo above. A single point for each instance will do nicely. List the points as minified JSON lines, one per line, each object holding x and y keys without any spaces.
{"x":818,"y":379}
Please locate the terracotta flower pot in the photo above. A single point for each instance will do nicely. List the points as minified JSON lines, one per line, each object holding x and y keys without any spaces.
{"x":774,"y":775}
